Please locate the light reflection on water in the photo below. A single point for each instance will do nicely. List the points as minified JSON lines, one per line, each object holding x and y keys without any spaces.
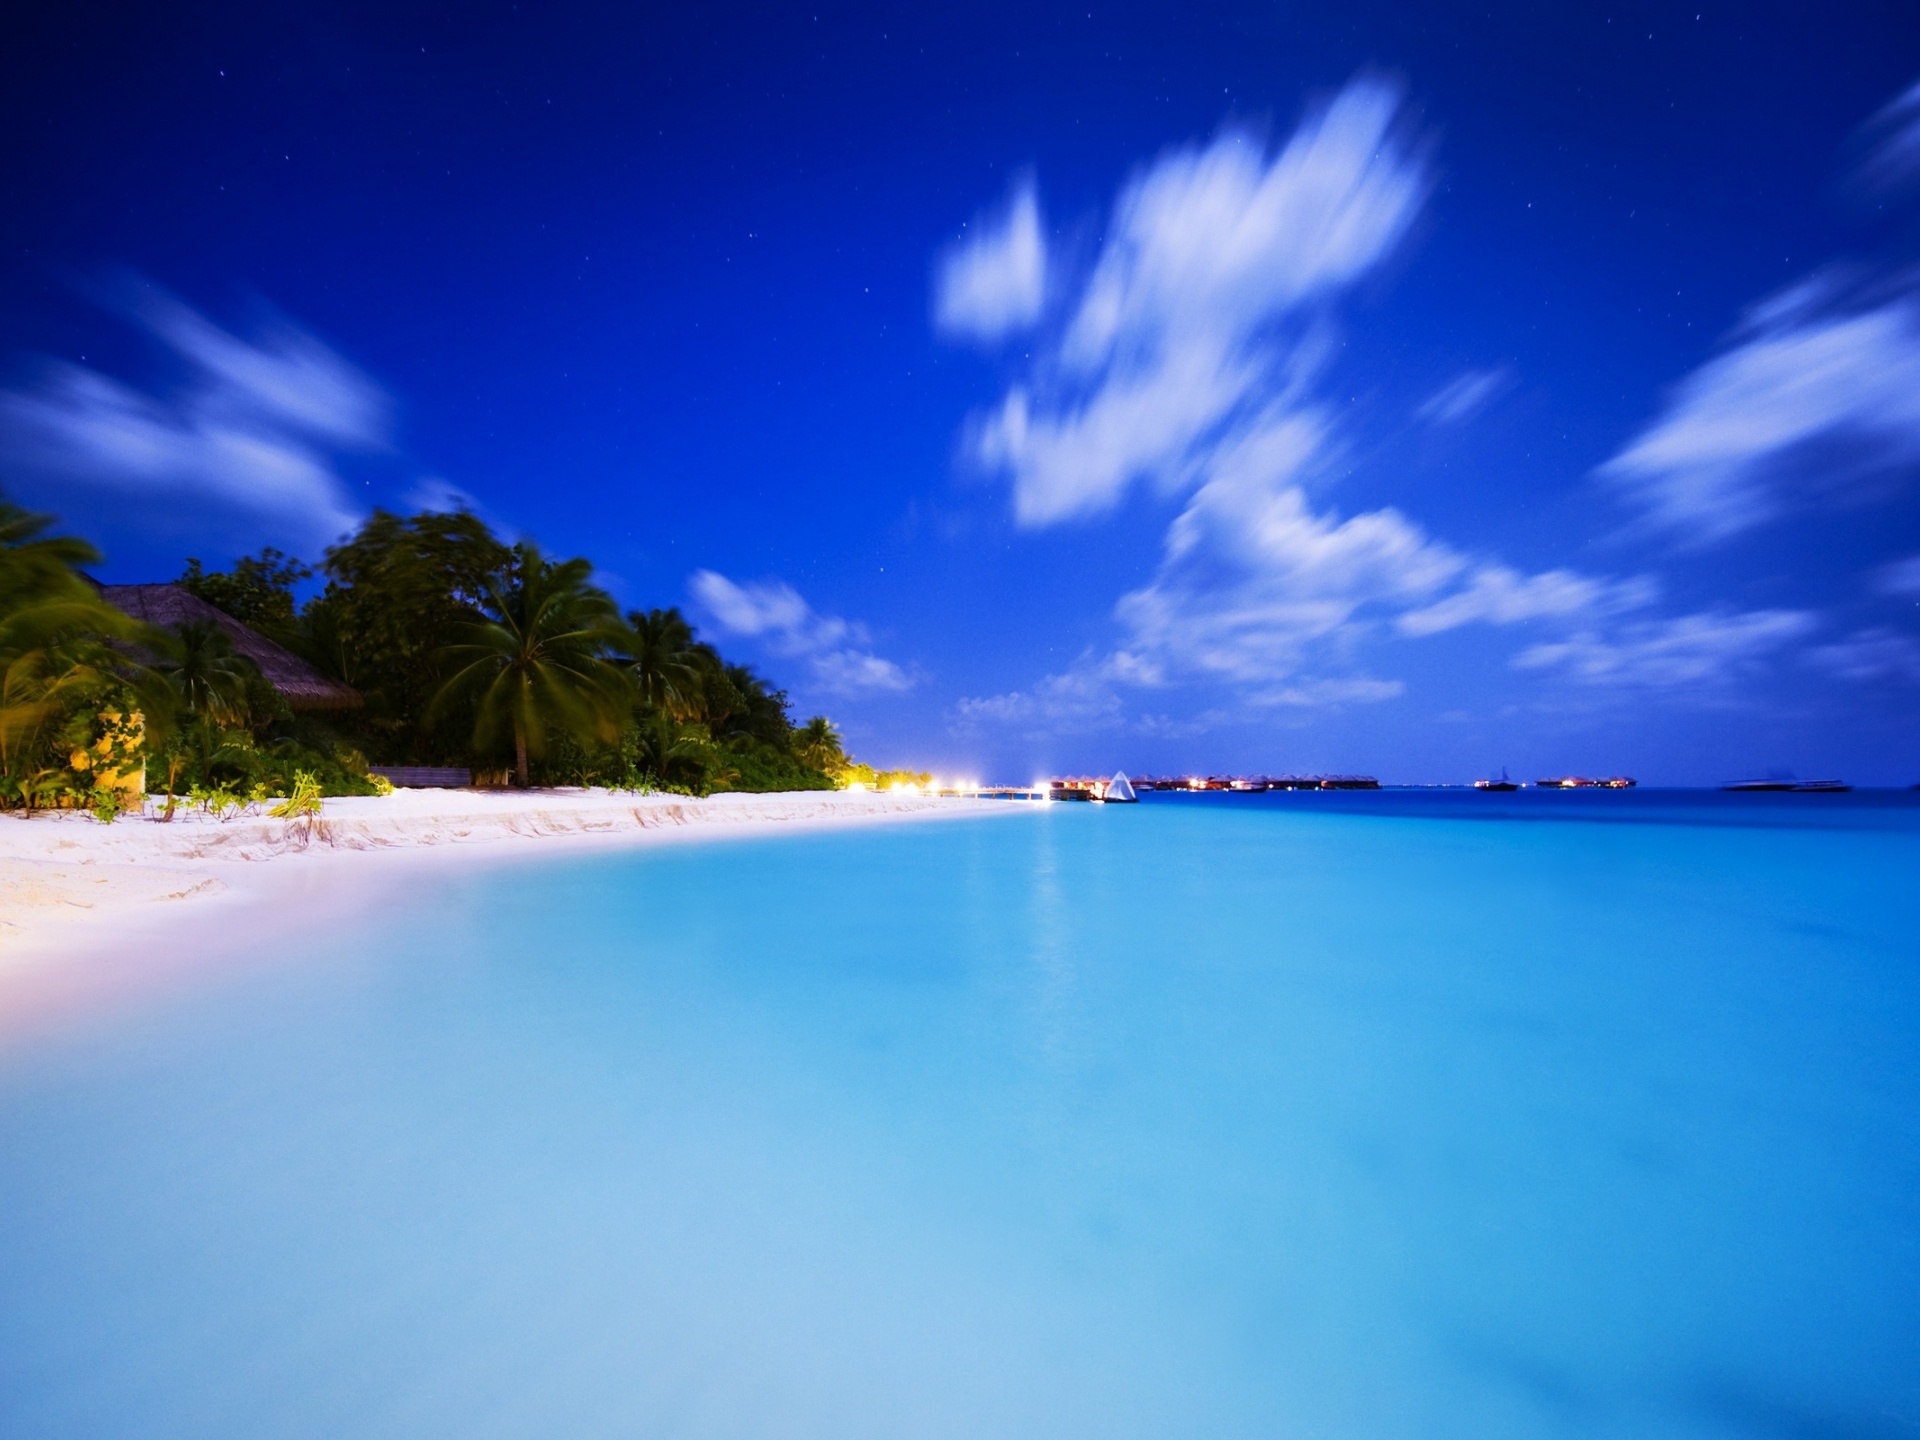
{"x":1177,"y":1120}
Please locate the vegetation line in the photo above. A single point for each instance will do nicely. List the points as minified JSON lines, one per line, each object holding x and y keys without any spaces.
{"x":431,"y":643}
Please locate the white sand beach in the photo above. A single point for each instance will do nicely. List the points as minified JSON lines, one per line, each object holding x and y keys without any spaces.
{"x":70,"y":884}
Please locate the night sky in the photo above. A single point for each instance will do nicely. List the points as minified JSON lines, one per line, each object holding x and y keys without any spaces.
{"x":1412,"y":390}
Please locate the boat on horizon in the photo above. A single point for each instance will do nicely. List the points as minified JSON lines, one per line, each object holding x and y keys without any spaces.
{"x":1503,"y":783}
{"x":1788,"y":787}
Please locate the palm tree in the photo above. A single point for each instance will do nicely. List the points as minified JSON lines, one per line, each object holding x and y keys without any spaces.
{"x":537,"y":663}
{"x":209,"y":676}
{"x":657,"y":650}
{"x":818,"y":745}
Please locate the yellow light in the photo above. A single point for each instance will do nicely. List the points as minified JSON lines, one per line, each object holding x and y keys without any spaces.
{"x":856,"y":786}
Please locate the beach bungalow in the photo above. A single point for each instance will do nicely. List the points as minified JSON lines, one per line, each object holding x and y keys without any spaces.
{"x":170,"y":606}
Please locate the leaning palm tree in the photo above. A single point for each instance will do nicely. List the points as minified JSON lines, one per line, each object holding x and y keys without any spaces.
{"x":538,"y":662}
{"x":36,"y":567}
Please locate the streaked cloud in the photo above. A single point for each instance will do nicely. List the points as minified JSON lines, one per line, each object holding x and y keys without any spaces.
{"x":1819,"y":387}
{"x":1189,"y":361}
{"x":1461,"y":396}
{"x":255,"y":429}
{"x":1080,"y":700}
{"x":1902,"y":577}
{"x":1873,"y":654}
{"x":1253,"y":573}
{"x":1701,"y":651}
{"x":1258,"y":585}
{"x":837,"y":651}
{"x":1175,"y":338}
{"x":1498,"y":595}
{"x":1892,"y":160}
{"x":995,"y":281}
{"x":440,"y":496}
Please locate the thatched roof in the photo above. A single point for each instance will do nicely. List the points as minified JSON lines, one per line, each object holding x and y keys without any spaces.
{"x":169,"y":606}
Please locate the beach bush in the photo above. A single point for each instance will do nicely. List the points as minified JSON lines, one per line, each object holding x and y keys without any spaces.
{"x":758,"y":767}
{"x":302,"y":801}
{"x":67,"y":666}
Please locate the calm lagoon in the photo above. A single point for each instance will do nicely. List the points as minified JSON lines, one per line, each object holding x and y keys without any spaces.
{"x":1364,"y":1116}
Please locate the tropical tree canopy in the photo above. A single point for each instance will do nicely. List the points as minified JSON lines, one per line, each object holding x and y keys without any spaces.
{"x":658,"y":652}
{"x":467,"y":651}
{"x":400,"y":593}
{"x":818,"y":744}
{"x":258,"y":591}
{"x":536,"y":665}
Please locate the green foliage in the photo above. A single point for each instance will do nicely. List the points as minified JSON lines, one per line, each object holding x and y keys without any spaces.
{"x":854,"y":773}
{"x":258,"y":591}
{"x":59,"y":668}
{"x":758,"y":766}
{"x":202,"y":757}
{"x":536,"y":664}
{"x":818,"y":746}
{"x":466,"y":650}
{"x":211,"y":680}
{"x":303,"y":799}
{"x":400,"y":593}
{"x":658,"y":653}
{"x":222,"y":801}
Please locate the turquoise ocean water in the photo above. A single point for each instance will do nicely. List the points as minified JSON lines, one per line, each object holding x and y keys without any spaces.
{"x":1368,"y":1116}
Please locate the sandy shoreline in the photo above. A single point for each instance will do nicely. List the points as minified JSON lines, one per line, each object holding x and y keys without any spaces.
{"x":69,"y":884}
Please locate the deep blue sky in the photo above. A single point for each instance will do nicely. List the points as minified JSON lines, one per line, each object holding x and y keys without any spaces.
{"x":1407,"y":389}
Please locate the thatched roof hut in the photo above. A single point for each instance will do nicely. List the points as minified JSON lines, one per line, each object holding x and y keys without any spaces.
{"x":170,"y":606}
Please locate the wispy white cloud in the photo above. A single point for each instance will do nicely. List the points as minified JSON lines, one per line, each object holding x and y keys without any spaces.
{"x":253,"y":431}
{"x":1079,"y":700}
{"x":1699,"y":651}
{"x":440,"y":496}
{"x":1209,"y":251}
{"x":1893,"y":138}
{"x":1256,"y":581}
{"x":1498,"y":595}
{"x":1869,"y":655}
{"x":836,"y":651}
{"x":1252,"y":573}
{"x":1187,"y":361}
{"x":994,"y":282}
{"x":1902,"y":577}
{"x":1815,"y":388}
{"x":286,"y":376}
{"x":1328,"y":692}
{"x":1461,"y":396}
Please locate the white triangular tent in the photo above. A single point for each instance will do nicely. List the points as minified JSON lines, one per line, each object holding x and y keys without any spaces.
{"x":1119,"y":790}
